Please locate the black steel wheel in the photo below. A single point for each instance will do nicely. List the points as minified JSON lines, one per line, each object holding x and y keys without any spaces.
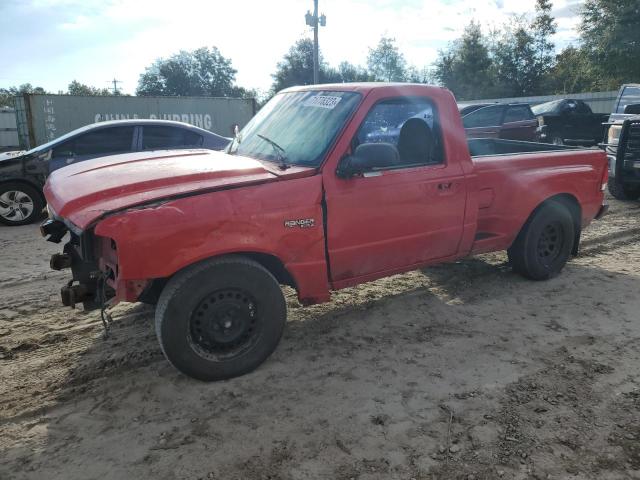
{"x":550,"y":243}
{"x":544,"y":244}
{"x":220,"y":318}
{"x":225,"y":324}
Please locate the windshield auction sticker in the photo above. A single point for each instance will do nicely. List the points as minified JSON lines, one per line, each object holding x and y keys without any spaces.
{"x":322,"y":101}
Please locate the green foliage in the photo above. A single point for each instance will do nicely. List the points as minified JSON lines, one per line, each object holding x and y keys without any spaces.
{"x":77,"y":88}
{"x":465,"y":67}
{"x":7,"y":94}
{"x":296,"y":67}
{"x":610,"y":32}
{"x":572,"y":72}
{"x":201,"y":72}
{"x":386,"y":63}
{"x":349,"y":72}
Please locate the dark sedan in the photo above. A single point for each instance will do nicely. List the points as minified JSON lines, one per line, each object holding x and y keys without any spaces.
{"x":22,"y":174}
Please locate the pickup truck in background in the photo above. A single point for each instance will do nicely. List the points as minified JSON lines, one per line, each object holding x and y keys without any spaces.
{"x":569,"y":122}
{"x":509,"y":121}
{"x":622,"y":144}
{"x":303,"y":197}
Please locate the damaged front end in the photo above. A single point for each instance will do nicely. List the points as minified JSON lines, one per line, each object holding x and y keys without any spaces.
{"x":93,"y":267}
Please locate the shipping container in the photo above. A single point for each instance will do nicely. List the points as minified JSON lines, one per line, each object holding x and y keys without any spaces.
{"x":8,"y":130}
{"x":41,"y":118}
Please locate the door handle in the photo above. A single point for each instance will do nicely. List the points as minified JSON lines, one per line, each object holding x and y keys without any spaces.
{"x":444,"y":187}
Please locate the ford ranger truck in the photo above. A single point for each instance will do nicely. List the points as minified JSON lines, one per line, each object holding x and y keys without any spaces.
{"x":319,"y":192}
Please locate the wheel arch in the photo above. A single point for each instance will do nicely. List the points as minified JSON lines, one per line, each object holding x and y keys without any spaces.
{"x":25,"y":181}
{"x":573,"y":205}
{"x":270,"y":262}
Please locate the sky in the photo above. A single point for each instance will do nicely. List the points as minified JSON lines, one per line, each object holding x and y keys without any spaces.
{"x":49,"y":43}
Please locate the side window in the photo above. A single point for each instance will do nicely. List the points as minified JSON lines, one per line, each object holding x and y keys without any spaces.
{"x":484,"y":117}
{"x":410,"y":124}
{"x":518,"y":113}
{"x":159,"y":137}
{"x":102,"y":141}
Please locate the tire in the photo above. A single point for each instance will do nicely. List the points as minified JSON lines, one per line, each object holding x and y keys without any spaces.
{"x":220,"y":318}
{"x":621,"y":191}
{"x":544,"y":244}
{"x":20,"y":204}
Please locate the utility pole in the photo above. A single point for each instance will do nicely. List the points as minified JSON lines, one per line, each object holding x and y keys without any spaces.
{"x":315,"y":21}
{"x":115,"y":85}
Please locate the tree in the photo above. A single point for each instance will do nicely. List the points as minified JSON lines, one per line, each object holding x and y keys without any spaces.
{"x":573,"y":72}
{"x":77,"y":88}
{"x":204,"y":71}
{"x":349,"y":72}
{"x":516,"y":60}
{"x":465,"y":67}
{"x":386,"y":63}
{"x":611,"y":38}
{"x":543,"y":28}
{"x":296,"y":67}
{"x":7,"y":94}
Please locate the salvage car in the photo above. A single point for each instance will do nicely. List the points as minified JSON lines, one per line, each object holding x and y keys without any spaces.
{"x":22,"y":174}
{"x":303,"y":197}
{"x":511,"y":121}
{"x":622,"y":144}
{"x":569,"y":122}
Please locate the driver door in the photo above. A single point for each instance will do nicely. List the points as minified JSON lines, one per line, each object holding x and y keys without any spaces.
{"x":406,"y":214}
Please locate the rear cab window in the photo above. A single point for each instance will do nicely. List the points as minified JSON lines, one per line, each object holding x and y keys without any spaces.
{"x":411,"y":124}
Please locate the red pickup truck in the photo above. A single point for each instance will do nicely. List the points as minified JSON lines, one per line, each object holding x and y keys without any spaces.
{"x":327,"y":187}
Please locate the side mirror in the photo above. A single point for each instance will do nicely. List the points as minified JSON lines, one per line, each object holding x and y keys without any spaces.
{"x":368,"y":157}
{"x":633,"y":109}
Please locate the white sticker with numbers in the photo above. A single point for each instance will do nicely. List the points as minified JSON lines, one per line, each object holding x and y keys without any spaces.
{"x":322,"y":101}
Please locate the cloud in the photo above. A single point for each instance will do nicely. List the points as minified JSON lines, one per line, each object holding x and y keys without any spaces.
{"x":51,"y":42}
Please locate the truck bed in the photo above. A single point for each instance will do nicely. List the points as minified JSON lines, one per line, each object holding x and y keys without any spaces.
{"x":512,"y":176}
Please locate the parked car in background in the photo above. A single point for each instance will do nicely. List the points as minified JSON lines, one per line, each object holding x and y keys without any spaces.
{"x":510,"y":121}
{"x":622,"y":144}
{"x":22,"y":174}
{"x":569,"y":122}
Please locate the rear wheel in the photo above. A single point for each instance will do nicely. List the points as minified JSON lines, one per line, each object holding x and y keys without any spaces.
{"x":20,"y":204}
{"x":622,"y":191}
{"x":544,"y":244}
{"x":220,"y":318}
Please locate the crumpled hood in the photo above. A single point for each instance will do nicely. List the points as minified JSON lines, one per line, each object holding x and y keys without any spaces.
{"x":83,"y":192}
{"x":11,"y":155}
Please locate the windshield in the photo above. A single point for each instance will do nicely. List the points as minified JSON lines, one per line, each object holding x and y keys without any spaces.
{"x":303,"y":124}
{"x":630,"y":96}
{"x":545,"y":107}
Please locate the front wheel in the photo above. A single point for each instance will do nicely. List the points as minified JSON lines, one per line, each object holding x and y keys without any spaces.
{"x":220,"y":318}
{"x":544,"y":244}
{"x":622,"y":191}
{"x":20,"y":204}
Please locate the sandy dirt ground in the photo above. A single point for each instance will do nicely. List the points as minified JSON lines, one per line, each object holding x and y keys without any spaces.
{"x":462,"y":371}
